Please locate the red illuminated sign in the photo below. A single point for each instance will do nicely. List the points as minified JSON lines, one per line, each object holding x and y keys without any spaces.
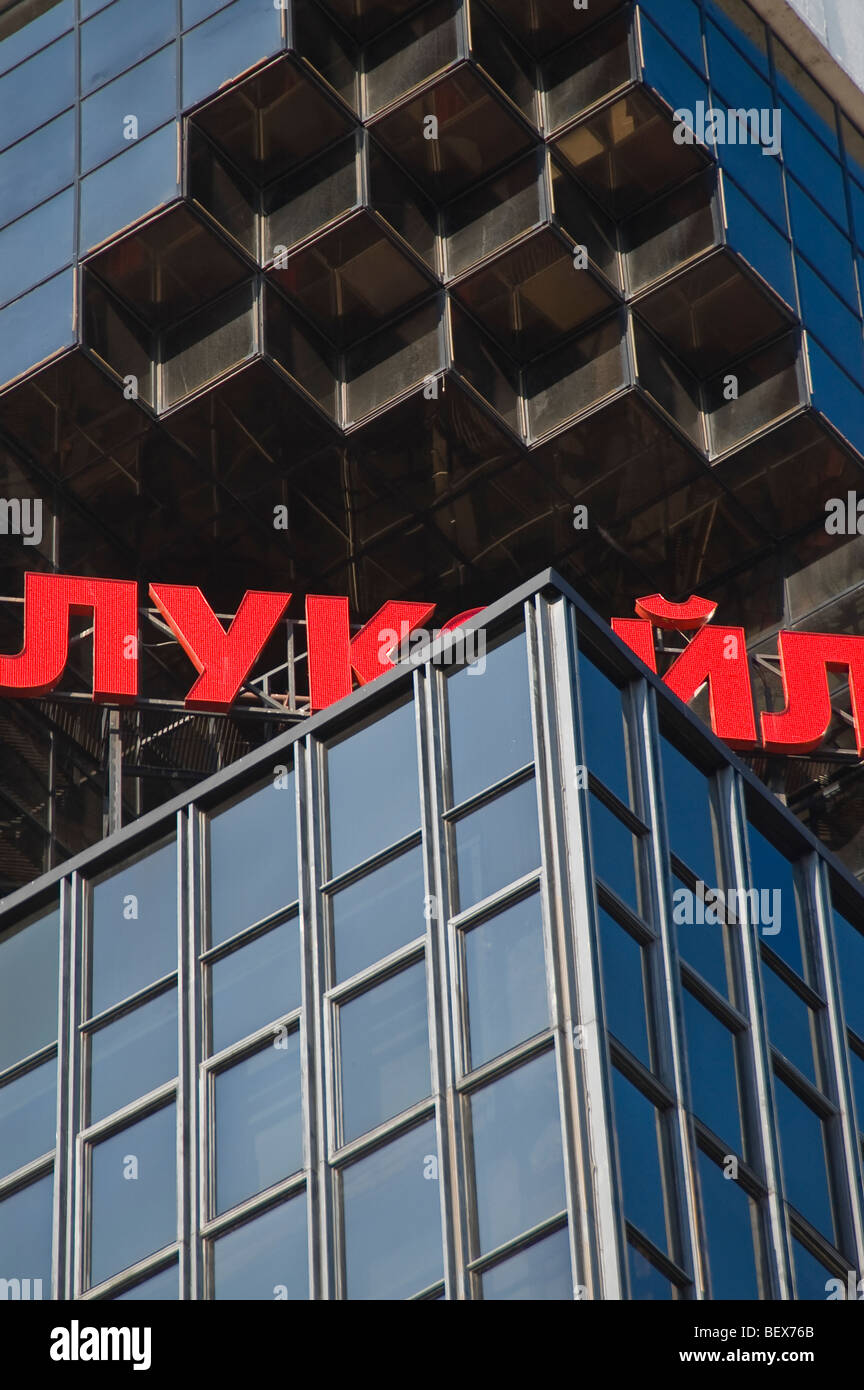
{"x":718,"y":656}
{"x":223,"y":658}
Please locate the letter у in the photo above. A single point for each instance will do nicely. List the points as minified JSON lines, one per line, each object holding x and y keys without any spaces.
{"x":49,"y":600}
{"x":333,"y":654}
{"x":805,"y":660}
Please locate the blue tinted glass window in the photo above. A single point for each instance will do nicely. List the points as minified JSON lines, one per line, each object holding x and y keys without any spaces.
{"x":133,"y":1197}
{"x":849,"y":942}
{"x":823,"y":244}
{"x":255,"y":984}
{"x":123,"y":35}
{"x":809,"y":101}
{"x":518,"y":1164}
{"x":624,"y":987}
{"x":382,"y":756}
{"x":226,"y":45}
{"x":802,"y":1144}
{"x":265,"y":1258}
{"x":856,"y":195}
{"x":37,"y":245}
{"x":37,"y":90}
{"x":259,"y":1122}
{"x":378,"y":913}
{"x":713,"y":1084}
{"x":688,"y":812}
{"x":384,"y":1051}
{"x":668,"y":72}
{"x":505,"y":972}
{"x":647,"y":1284}
{"x":392,"y":1216}
{"x":735,"y":83}
{"x":148,"y":92}
{"x":133,"y":931}
{"x":736,"y":19}
{"x":604,"y":728}
{"x":37,"y":325}
{"x":828,"y":318}
{"x":163,"y":1287}
{"x":682,"y":23}
{"x":836,"y":395}
{"x":35,"y":33}
{"x":37,"y":167}
{"x":489,"y":716}
{"x":638,"y":1134}
{"x":730,"y":1232}
{"x":772,"y":875}
{"x":28,"y":1117}
{"x":497,"y":844}
{"x":133,"y":1056}
{"x":25,"y":1235}
{"x":790,"y":1023}
{"x":253,"y":858}
{"x":129,"y":185}
{"x":811,"y":1276}
{"x":811,"y":163}
{"x":196,"y":10}
{"x":699,"y":924}
{"x":616,"y":853}
{"x":762,"y":177}
{"x":540,"y":1274}
{"x":856,"y":1062}
{"x":29,"y":968}
{"x":759,"y":242}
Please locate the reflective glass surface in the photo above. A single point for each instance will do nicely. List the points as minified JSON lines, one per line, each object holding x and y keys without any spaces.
{"x":811,"y":1276}
{"x":616,"y":853}
{"x":25,"y":1234}
{"x":382,"y":756}
{"x":37,"y":245}
{"x":133,"y":929}
{"x":773,"y":874}
{"x":37,"y":167}
{"x":36,"y":90}
{"x":638,"y":1134}
{"x":698,"y":923}
{"x":133,"y":1056}
{"x":604,"y":727}
{"x":646,"y":1281}
{"x":37,"y":325}
{"x":390,"y":1205}
{"x":384,"y":1054}
{"x":163,"y":1287}
{"x":688,"y":813}
{"x":265,"y":1258}
{"x":497,"y":844}
{"x":849,"y":942}
{"x":730,"y":1223}
{"x":29,"y":967}
{"x":133,"y":1194}
{"x":624,"y":986}
{"x":35,"y":32}
{"x":505,"y":974}
{"x":518,"y":1164}
{"x":802,"y":1144}
{"x":378,"y":913}
{"x":28,"y":1117}
{"x":490,"y":719}
{"x":122,"y":35}
{"x":141,"y":178}
{"x":147,"y":94}
{"x":255,"y":984}
{"x":259,"y":1122}
{"x":226,"y":45}
{"x":253,"y":858}
{"x":790,"y":1022}
{"x":540,"y":1273}
{"x":711,"y":1053}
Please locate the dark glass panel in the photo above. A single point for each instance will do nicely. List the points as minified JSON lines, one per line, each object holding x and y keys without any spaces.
{"x":805,"y":1172}
{"x":605,"y":733}
{"x":624,"y":987}
{"x":713,"y":1081}
{"x":123,"y":35}
{"x":638,"y":1134}
{"x":730,"y":1231}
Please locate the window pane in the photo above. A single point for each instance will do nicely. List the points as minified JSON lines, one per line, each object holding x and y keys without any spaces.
{"x":259,"y":1122}
{"x":226,"y":45}
{"x":256,"y":984}
{"x":489,"y":716}
{"x":37,"y":167}
{"x":790,"y":1021}
{"x":711,"y":1055}
{"x":624,"y":987}
{"x":25,"y":1234}
{"x":121,"y":36}
{"x":148,"y":92}
{"x":730,"y":1226}
{"x":773,"y":875}
{"x":805,"y":1173}
{"x":28,"y":1117}
{"x":133,"y":1198}
{"x":505,"y":971}
{"x":133,"y":1056}
{"x":384,"y":1051}
{"x":133,"y":930}
{"x":130,"y":184}
{"x":605,"y":733}
{"x":382,"y":756}
{"x":638,"y":1134}
{"x":34,"y":33}
{"x":699,"y":923}
{"x":265,"y":1258}
{"x":392,"y":1215}
{"x":850,"y":960}
{"x":37,"y":89}
{"x":540,"y":1273}
{"x":378,"y":914}
{"x":811,"y":1276}
{"x":688,"y":813}
{"x":616,"y":851}
{"x":37,"y":325}
{"x":36,"y":245}
{"x":497,"y":844}
{"x":518,"y":1165}
{"x":163,"y":1287}
{"x":29,"y":966}
{"x":647,"y":1284}
{"x":253,"y":859}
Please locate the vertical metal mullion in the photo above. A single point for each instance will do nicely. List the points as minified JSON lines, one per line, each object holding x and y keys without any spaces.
{"x":64,"y":1160}
{"x":77,"y":1194}
{"x":189,"y":1127}
{"x":667,"y":1008}
{"x":845,"y":1153}
{"x":441,"y":985}
{"x":550,"y":656}
{"x":322,"y":1246}
{"x":602,"y":1226}
{"x":734,"y":815}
